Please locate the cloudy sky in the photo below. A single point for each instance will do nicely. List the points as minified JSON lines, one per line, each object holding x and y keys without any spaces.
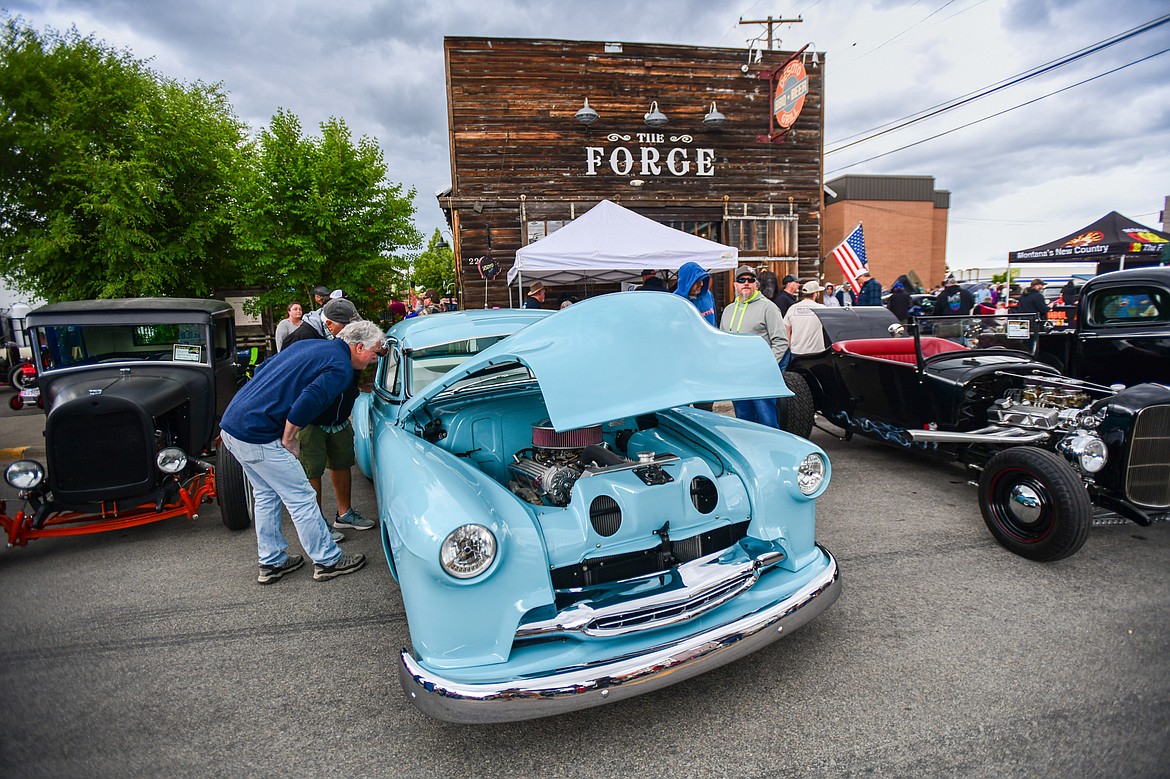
{"x":1022,"y":178}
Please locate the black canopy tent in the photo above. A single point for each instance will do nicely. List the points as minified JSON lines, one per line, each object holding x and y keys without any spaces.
{"x":1114,"y":242}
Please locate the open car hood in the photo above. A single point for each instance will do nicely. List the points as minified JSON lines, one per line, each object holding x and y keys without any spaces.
{"x":624,"y":354}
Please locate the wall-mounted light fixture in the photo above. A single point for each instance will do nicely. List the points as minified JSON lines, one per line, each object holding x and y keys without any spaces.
{"x":714,"y":118}
{"x":654,"y":117}
{"x":810,"y":56}
{"x":586,"y":115}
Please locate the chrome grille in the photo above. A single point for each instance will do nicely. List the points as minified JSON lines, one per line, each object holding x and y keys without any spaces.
{"x":670,"y":613}
{"x":1147,"y":481}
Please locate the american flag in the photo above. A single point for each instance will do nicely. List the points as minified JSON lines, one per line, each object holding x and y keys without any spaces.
{"x":850,"y":255}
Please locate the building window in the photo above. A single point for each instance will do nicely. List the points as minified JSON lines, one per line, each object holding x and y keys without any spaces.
{"x":540,"y":228}
{"x":773,"y":236}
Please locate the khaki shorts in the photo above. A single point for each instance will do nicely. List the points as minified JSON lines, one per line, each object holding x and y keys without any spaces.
{"x":321,"y":450}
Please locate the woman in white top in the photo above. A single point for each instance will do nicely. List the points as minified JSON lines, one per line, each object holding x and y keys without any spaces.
{"x":286,"y":326}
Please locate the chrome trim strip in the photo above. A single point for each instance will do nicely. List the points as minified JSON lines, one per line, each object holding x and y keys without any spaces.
{"x":706,"y":583}
{"x":986,"y":435}
{"x":581,"y":687}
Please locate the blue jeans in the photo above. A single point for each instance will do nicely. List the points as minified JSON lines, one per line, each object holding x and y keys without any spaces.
{"x":277,"y":477}
{"x":762,"y":411}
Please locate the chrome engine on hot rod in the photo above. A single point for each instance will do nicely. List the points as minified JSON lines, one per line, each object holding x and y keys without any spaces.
{"x":545,"y":473}
{"x":1052,"y":403}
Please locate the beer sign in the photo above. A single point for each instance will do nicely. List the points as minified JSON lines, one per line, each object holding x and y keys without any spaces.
{"x":791,"y":89}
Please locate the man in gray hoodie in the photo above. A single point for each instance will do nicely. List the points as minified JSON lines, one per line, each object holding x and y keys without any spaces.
{"x":752,"y":313}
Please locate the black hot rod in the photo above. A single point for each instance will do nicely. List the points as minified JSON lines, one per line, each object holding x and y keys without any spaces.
{"x":133,"y":392}
{"x":970,"y":389}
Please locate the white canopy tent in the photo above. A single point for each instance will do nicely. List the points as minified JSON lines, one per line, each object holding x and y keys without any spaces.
{"x":609,"y":243}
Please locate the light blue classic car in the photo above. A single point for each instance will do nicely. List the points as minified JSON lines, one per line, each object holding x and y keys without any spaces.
{"x":567,"y":531}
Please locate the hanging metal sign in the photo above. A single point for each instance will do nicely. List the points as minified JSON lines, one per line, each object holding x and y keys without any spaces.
{"x":791,"y":89}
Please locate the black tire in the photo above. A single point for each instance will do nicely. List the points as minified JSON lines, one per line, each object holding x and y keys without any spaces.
{"x":233,"y":492}
{"x":797,"y":413}
{"x":1055,"y":524}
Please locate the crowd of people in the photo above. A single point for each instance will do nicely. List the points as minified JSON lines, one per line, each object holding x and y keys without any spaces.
{"x":291,"y":423}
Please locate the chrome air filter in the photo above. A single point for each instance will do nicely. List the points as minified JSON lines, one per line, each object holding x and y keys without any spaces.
{"x":544,"y":437}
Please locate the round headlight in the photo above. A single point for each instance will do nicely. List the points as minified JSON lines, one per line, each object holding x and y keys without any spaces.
{"x":468,"y":551}
{"x":24,"y":474}
{"x":1090,"y":452}
{"x":171,"y":460}
{"x":811,"y":473}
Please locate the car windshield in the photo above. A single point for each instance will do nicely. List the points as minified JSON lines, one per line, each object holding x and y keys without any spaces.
{"x":429,"y":364}
{"x":67,"y":346}
{"x":983,"y":332}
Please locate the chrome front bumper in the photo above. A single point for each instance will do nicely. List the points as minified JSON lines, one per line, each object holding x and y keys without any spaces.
{"x":572,"y":689}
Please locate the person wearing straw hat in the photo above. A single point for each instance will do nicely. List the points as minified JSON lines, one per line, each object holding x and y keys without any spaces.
{"x":535,"y":297}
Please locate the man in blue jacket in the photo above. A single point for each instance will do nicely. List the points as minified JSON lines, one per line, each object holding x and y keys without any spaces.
{"x":694,"y":284}
{"x":260,"y":429}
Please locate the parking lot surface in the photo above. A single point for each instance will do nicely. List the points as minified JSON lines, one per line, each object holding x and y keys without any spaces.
{"x":153,"y":652}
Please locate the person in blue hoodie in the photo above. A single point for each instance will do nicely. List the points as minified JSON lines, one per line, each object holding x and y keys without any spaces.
{"x":694,"y":284}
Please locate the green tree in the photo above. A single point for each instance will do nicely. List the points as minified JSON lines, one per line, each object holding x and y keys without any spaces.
{"x":114,"y":181}
{"x":435,"y":267}
{"x":321,"y":211}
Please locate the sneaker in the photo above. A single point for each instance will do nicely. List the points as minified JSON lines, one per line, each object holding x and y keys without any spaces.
{"x":347,"y":563}
{"x":270,"y":573}
{"x":338,"y":536}
{"x":352,"y":519}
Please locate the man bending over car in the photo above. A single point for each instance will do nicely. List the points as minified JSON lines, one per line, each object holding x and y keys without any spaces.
{"x":260,"y":429}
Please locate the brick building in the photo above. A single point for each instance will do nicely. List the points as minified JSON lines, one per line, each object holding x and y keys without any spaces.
{"x":905,"y":220}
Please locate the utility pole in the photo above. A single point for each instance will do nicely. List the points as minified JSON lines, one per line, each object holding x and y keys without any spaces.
{"x":771,"y":22}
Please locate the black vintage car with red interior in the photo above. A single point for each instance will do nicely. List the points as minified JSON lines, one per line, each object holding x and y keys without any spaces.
{"x":133,"y":391}
{"x":1052,"y":451}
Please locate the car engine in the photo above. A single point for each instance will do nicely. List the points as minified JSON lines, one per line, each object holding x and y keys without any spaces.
{"x":1051,"y":403}
{"x":545,"y":473}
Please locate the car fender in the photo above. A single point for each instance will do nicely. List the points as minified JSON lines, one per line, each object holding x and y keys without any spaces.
{"x":360,"y":419}
{"x":425,"y":492}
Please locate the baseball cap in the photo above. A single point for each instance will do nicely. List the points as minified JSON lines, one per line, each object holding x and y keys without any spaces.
{"x":1038,"y":282}
{"x":745,"y":270}
{"x":340,"y":310}
{"x":789,"y":279}
{"x":811,"y":287}
{"x":860,"y":273}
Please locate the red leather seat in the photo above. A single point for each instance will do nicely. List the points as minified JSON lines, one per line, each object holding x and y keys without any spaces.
{"x":896,"y":349}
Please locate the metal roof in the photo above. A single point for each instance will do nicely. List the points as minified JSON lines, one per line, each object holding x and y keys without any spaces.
{"x":903,"y":188}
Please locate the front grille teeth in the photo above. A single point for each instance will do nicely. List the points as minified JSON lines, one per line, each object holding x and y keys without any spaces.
{"x":1147,"y":480}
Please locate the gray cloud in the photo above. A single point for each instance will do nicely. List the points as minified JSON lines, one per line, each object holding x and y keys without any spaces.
{"x":379,"y":65}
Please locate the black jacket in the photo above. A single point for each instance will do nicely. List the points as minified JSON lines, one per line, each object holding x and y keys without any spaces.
{"x":899,"y":304}
{"x":1031,"y":302}
{"x":953,"y":301}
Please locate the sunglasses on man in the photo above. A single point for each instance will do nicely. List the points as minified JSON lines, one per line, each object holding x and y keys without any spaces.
{"x":745,"y":279}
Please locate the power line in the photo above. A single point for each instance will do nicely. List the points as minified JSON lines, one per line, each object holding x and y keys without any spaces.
{"x":897,"y":124}
{"x":998,"y":113}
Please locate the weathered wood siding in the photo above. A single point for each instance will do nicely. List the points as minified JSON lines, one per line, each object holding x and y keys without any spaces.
{"x":518,"y":154}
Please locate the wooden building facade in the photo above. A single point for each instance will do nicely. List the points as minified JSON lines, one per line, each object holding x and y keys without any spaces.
{"x":738,"y":159}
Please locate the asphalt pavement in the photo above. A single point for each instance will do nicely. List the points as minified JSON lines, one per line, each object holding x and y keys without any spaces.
{"x":153,"y":652}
